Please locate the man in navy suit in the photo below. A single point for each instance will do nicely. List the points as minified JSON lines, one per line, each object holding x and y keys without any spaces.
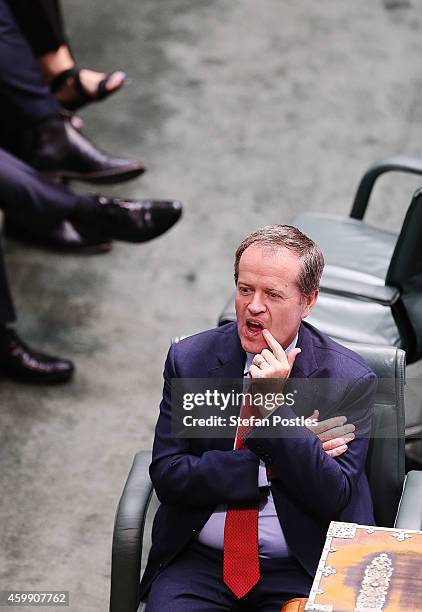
{"x":297,"y":486}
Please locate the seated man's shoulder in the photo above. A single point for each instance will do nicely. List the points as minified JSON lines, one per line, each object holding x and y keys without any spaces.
{"x":209,"y":336}
{"x":339,"y":359}
{"x":202,"y":343}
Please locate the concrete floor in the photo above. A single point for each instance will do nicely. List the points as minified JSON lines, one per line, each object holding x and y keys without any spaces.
{"x":247,"y":112}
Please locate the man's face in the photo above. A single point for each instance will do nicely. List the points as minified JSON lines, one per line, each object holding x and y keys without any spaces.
{"x":267,"y":296}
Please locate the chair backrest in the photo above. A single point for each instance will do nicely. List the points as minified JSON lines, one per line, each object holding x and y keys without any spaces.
{"x":385,"y":463}
{"x":406,"y":262}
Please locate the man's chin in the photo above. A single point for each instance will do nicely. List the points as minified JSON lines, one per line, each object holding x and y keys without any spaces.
{"x":253,"y":345}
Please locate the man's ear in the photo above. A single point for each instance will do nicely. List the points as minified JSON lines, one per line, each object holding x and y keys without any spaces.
{"x":309,"y":302}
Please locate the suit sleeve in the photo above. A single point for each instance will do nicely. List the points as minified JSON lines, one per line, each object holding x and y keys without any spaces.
{"x":323,"y":485}
{"x":206,"y":480}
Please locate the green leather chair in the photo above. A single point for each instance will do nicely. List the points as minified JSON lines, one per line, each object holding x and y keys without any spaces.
{"x":371,"y":289}
{"x":397,"y":500}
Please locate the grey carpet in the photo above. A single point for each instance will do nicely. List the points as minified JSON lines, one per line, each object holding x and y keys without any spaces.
{"x":248,"y":112}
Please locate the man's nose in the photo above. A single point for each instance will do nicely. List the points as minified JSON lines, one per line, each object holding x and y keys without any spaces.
{"x":257,"y":304}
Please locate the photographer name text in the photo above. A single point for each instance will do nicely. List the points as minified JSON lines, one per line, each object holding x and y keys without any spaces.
{"x":252,"y":421}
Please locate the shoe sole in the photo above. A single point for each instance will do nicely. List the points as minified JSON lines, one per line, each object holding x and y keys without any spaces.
{"x":90,"y":249}
{"x":105,"y":177}
{"x":52,"y":379}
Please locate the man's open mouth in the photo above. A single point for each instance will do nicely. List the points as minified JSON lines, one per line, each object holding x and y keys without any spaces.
{"x":254,"y":326}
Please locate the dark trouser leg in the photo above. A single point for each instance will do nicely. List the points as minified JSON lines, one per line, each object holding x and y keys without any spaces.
{"x":281,"y":580}
{"x":7,"y":311}
{"x":193,"y":583}
{"x":42,"y":23}
{"x":25,"y":97}
{"x":18,"y":360}
{"x":31,"y":201}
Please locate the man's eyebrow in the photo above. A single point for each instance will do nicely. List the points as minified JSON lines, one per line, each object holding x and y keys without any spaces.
{"x":284,"y":291}
{"x":269,"y":289}
{"x":280,"y":290}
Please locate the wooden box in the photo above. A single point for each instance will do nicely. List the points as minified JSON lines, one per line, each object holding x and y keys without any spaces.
{"x":368,"y":568}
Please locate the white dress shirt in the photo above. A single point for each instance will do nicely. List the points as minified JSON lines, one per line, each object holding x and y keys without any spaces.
{"x":271,"y":540}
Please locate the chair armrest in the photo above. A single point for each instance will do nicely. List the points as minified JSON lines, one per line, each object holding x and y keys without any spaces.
{"x":333,"y":282}
{"x":399,"y":163}
{"x":128,"y":535}
{"x":409,"y":515}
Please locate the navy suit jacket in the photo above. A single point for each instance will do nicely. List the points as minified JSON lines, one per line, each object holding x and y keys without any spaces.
{"x":192,"y":476}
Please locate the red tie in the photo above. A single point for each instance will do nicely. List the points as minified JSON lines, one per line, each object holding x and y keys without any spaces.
{"x":241,"y":561}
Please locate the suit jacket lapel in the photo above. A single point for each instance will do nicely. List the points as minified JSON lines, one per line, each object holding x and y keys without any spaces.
{"x":304,"y":366}
{"x":230,"y":356}
{"x":229,"y":364}
{"x":305,"y":363}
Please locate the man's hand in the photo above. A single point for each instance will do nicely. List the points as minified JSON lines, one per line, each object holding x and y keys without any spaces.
{"x":273,"y":362}
{"x":334,"y":433}
{"x":274,"y":366}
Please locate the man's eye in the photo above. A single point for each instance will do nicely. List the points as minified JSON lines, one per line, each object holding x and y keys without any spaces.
{"x":274,"y":296}
{"x":243,"y":290}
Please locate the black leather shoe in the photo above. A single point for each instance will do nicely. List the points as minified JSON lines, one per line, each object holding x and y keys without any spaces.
{"x":59,"y":151}
{"x":130,"y":220}
{"x":23,"y":364}
{"x":64,"y":238}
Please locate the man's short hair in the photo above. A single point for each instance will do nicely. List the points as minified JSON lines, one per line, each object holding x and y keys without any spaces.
{"x":289,"y":237}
